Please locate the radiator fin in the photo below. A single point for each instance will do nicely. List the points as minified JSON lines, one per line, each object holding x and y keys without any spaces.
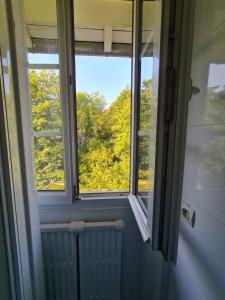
{"x":59,"y":254}
{"x":100,"y":264}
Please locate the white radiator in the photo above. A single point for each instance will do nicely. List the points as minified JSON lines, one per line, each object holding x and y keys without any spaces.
{"x":82,"y":260}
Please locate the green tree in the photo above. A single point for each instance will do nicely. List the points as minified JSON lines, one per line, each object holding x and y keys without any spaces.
{"x":46,"y":103}
{"x":47,"y":116}
{"x":103,"y":136}
{"x":146,"y":139}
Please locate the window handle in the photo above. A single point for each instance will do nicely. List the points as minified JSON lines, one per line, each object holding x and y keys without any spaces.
{"x":194,"y":90}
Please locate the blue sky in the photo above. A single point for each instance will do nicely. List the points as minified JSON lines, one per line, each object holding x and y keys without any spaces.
{"x":108,"y":75}
{"x":216,"y":75}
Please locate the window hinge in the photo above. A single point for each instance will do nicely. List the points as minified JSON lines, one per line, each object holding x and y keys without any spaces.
{"x":75,"y":192}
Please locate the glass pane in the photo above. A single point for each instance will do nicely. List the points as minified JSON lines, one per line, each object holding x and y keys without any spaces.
{"x":48,"y":154}
{"x":103,"y":31}
{"x":45,"y":97}
{"x":44,"y":79}
{"x":148,"y":101}
{"x":41,"y":25}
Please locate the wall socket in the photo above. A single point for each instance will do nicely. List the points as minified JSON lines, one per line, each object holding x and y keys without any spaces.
{"x":188,"y":213}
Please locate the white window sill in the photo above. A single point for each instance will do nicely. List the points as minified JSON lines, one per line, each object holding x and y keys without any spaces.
{"x":61,"y":197}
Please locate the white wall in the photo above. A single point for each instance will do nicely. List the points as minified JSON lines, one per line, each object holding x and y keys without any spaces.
{"x":200,"y":270}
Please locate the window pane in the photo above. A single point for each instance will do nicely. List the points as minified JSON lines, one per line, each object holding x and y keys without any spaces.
{"x":145,"y":174}
{"x":103,"y":82}
{"x":45,"y":97}
{"x":48,"y":153}
{"x":148,"y":101}
{"x":41,"y":24}
{"x":46,"y":105}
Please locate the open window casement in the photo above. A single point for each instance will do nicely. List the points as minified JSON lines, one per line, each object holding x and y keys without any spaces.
{"x":157,"y":207}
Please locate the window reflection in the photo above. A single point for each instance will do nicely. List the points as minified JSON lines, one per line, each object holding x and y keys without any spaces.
{"x":211,"y":173}
{"x":45,"y":94}
{"x":215,"y":98}
{"x":148,"y":104}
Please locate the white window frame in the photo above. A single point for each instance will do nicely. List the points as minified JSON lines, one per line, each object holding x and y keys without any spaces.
{"x":138,"y":211}
{"x":19,"y":202}
{"x":67,"y":90}
{"x":66,"y":68}
{"x":160,"y":225}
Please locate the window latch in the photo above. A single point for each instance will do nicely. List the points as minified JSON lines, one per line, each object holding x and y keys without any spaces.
{"x":75,"y":192}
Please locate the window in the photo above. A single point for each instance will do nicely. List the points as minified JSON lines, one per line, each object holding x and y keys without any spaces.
{"x":104,"y":104}
{"x":45,"y":93}
{"x":96,"y":147}
{"x":146,"y":32}
{"x":147,"y":105}
{"x":49,"y":102}
{"x":81,"y":90}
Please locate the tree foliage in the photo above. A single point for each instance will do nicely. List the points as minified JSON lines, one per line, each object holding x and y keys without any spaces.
{"x":146,"y":144}
{"x":103,"y":136}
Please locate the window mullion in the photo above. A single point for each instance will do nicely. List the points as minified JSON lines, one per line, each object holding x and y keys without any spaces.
{"x":136,"y":77}
{"x":43,"y":66}
{"x":46,"y":133}
{"x":67,"y":79}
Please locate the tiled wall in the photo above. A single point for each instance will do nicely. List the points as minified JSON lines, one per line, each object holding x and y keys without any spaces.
{"x":200,"y":272}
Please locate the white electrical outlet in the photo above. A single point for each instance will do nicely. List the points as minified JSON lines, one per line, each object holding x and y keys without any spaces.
{"x":188,"y":213}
